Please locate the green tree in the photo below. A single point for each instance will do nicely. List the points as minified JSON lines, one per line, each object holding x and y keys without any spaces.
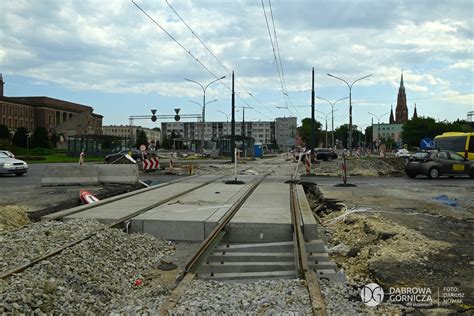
{"x":40,"y":138}
{"x":416,"y":129}
{"x":20,"y":137}
{"x":368,"y":134}
{"x":305,"y":131}
{"x":4,"y":132}
{"x":141,"y":139}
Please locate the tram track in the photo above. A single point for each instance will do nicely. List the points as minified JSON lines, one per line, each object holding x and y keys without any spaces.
{"x":53,"y":252}
{"x":190,"y":272}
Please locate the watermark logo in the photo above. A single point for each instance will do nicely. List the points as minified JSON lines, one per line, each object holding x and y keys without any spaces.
{"x":372,"y":294}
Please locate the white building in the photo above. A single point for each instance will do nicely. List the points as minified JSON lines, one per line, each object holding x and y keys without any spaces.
{"x":283,"y":130}
{"x":127,"y":131}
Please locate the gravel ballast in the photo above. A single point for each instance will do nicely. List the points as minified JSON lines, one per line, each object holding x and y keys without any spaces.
{"x":267,"y":296}
{"x":96,"y":276}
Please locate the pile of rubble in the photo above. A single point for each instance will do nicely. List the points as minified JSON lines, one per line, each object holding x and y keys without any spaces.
{"x":12,"y":217}
{"x":97,"y":276}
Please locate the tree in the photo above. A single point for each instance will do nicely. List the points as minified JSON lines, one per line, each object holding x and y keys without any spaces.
{"x":40,"y":138}
{"x":368,"y":135}
{"x":4,"y":132}
{"x":141,"y":139}
{"x":20,"y":137}
{"x":305,"y":131}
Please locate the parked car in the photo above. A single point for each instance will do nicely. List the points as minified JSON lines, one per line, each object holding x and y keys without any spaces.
{"x":136,"y":154}
{"x":8,"y":153}
{"x":402,"y":153}
{"x":9,"y":165}
{"x":436,"y":163}
{"x":326,"y":154}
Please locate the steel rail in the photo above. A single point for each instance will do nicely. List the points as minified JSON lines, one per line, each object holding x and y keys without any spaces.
{"x":58,"y":250}
{"x":187,"y":276}
{"x":107,"y":201}
{"x":301,"y":256}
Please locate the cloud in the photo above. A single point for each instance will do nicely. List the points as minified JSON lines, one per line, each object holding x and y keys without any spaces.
{"x":111,"y":46}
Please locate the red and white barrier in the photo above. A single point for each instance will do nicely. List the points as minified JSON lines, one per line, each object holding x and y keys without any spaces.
{"x":308,"y":163}
{"x":151,"y":164}
{"x":171,"y":163}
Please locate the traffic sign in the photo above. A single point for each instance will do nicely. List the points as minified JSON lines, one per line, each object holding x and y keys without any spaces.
{"x":427,"y":143}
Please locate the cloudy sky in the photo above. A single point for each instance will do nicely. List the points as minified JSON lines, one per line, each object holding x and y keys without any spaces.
{"x":110,"y":55}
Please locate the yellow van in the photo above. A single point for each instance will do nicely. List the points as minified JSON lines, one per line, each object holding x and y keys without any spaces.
{"x":462,"y":143}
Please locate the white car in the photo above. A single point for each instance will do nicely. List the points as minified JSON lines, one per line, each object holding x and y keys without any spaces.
{"x":8,"y":153}
{"x":402,"y":153}
{"x":10,"y":165}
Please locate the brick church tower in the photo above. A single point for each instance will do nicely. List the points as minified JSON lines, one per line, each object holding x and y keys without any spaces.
{"x":401,"y":111}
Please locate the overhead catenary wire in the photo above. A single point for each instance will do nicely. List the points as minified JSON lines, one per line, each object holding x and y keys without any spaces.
{"x":192,"y":55}
{"x":277,"y":63}
{"x":214,"y":56}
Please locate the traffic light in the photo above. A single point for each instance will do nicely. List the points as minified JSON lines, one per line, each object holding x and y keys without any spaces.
{"x":177,"y":117}
{"x":153,"y":116}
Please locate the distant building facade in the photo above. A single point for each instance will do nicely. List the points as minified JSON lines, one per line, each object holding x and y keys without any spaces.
{"x":386,"y":131}
{"x":58,"y":117}
{"x":282,"y":130}
{"x":126,"y":131}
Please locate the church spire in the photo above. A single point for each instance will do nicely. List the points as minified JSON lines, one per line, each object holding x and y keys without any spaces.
{"x":392,"y":119}
{"x":415,"y":114}
{"x":401,"y":111}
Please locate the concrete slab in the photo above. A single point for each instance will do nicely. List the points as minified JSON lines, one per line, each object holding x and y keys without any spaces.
{"x":290,"y":274}
{"x":310,"y":231}
{"x":190,"y":217}
{"x":264,"y":217}
{"x":122,"y":207}
{"x":70,"y":175}
{"x":125,"y":174}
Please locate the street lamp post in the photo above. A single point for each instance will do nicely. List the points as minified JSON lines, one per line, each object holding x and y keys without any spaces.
{"x":204,"y":88}
{"x":378,"y":123}
{"x":350,"y":105}
{"x":326,"y":119}
{"x":332,"y":116}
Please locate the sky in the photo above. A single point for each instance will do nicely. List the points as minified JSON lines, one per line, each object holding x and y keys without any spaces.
{"x":113,"y":57}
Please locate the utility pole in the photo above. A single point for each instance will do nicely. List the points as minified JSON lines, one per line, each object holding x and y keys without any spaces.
{"x":232,"y":138}
{"x":312,"y":138}
{"x":350,"y":106}
{"x":203,"y":119}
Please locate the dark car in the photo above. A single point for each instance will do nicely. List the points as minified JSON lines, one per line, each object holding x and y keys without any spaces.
{"x":325,"y":154}
{"x":436,"y":163}
{"x":136,"y":154}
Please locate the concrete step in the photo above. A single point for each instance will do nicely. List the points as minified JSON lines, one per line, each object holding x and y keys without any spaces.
{"x":290,"y":274}
{"x":240,"y":267}
{"x":315,"y":257}
{"x":323,"y":265}
{"x":283,"y":246}
{"x":251,"y":257}
{"x":331,"y":275}
{"x":316,"y":245}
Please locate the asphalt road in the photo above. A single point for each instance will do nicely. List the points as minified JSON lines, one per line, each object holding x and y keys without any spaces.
{"x":33,"y":179}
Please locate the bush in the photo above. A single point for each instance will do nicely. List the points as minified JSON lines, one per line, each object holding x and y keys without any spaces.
{"x":20,"y":137}
{"x":40,"y":138}
{"x":4,"y":132}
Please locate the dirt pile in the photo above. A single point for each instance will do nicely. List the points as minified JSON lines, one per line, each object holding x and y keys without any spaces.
{"x":363,"y":167}
{"x":12,"y":217}
{"x":361,"y":240}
